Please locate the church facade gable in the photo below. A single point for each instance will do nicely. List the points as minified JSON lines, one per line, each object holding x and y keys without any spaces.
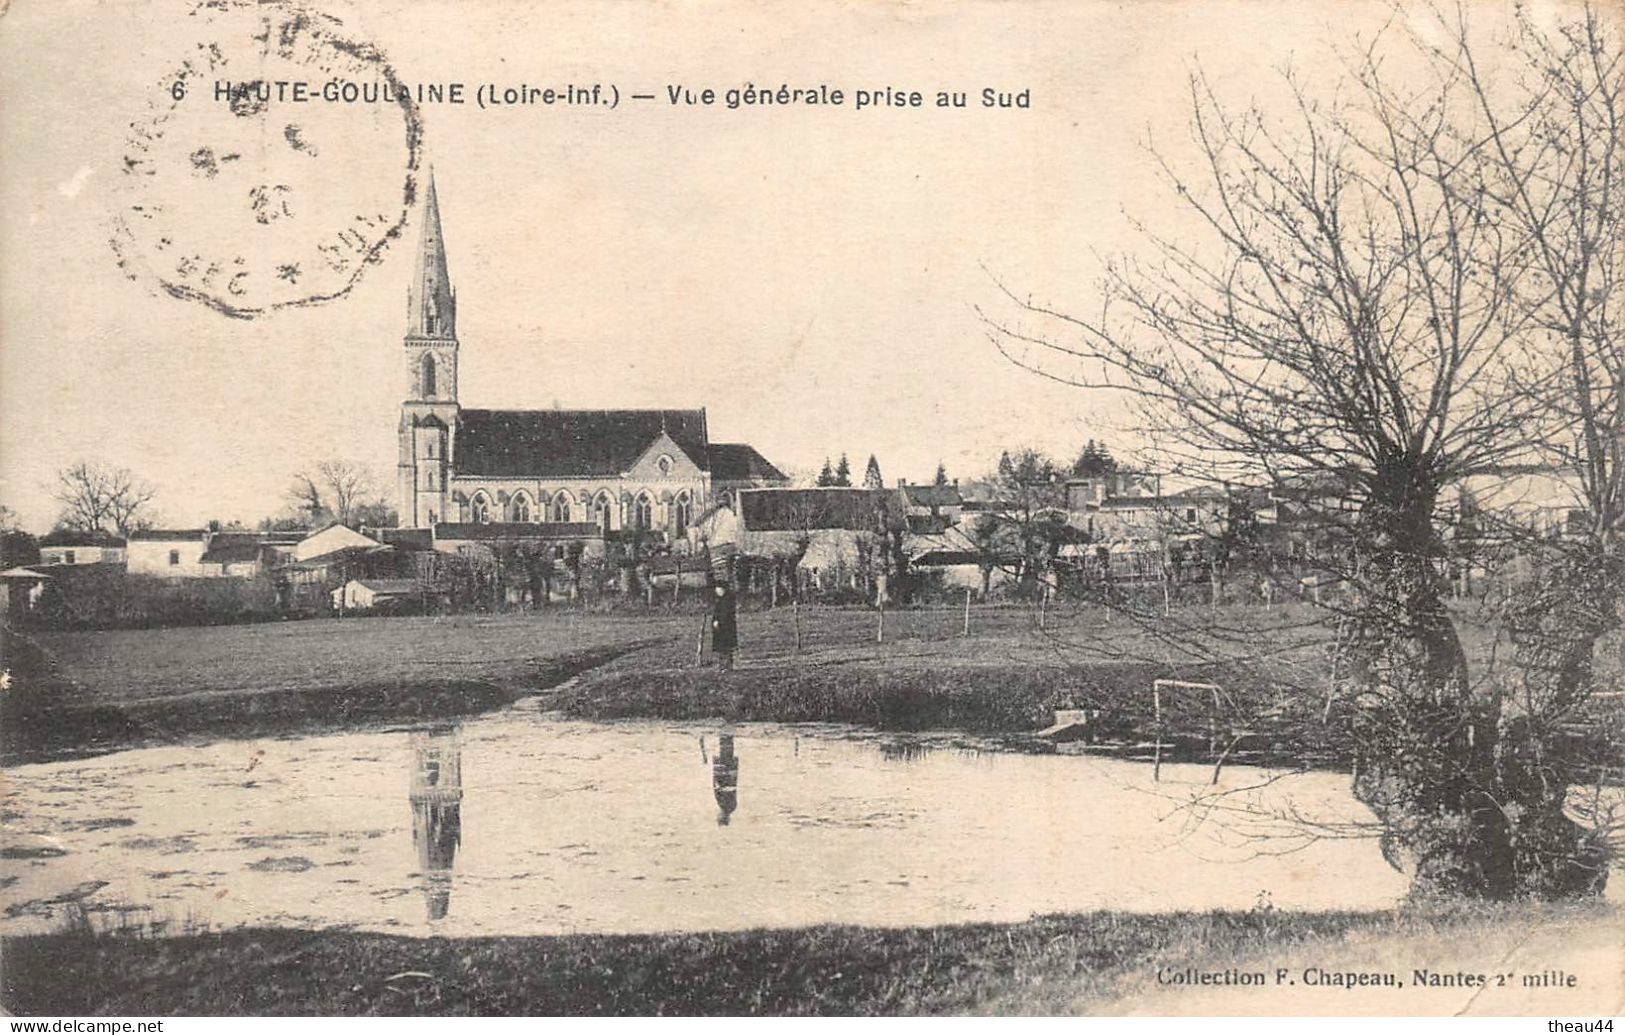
{"x":665,"y":461}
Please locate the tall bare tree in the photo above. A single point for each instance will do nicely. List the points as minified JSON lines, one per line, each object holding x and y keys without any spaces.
{"x":1352,"y":309}
{"x":98,"y":497}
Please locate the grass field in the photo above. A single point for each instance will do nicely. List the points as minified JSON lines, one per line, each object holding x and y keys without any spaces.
{"x":910,"y":668}
{"x":1063,"y":964}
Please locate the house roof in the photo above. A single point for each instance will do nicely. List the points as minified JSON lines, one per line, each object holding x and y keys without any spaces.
{"x":389,"y":587}
{"x":231,"y":549}
{"x":1199,"y":492}
{"x":570,"y":443}
{"x":932,"y":495}
{"x":170,"y":535}
{"x":68,"y":537}
{"x":517,"y":530}
{"x":739,"y":462}
{"x":415,"y":540}
{"x":322,"y":560}
{"x":951,"y":558}
{"x":22,"y":573}
{"x":795,"y":510}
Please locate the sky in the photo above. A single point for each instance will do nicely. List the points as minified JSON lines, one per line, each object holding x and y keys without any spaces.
{"x":809,"y":276}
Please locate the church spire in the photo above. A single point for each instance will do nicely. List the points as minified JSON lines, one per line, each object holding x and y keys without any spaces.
{"x":431,"y":306}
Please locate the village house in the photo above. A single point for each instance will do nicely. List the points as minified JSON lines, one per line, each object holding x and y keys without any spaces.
{"x":832,"y":534}
{"x":167,"y":552}
{"x":70,"y":547}
{"x":374,"y":594}
{"x":931,"y":509}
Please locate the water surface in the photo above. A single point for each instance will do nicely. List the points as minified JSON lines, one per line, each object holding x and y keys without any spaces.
{"x":524,"y":823}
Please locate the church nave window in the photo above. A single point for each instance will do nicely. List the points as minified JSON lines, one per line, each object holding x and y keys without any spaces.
{"x":601,"y":510}
{"x":519,"y":509}
{"x":682,"y":515}
{"x":643,"y":512}
{"x":560,"y":511}
{"x":479,"y":509}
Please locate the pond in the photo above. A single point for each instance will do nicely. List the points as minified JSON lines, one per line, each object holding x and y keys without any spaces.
{"x":520,"y":822}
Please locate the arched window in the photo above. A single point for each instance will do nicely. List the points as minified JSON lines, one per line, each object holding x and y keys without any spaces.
{"x":601,"y":508}
{"x":643,"y":511}
{"x":479,"y":509}
{"x":519,"y":508}
{"x":560,"y":511}
{"x":428,"y":376}
{"x":682,"y":515}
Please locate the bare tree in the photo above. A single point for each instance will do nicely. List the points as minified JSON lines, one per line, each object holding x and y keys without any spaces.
{"x":1349,"y":312}
{"x":96,"y":497}
{"x":336,"y":490}
{"x":1555,"y":148}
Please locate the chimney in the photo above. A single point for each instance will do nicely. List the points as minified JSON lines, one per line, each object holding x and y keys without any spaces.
{"x":902,"y":482}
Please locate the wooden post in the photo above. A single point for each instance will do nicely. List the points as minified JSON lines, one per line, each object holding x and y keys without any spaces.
{"x":967,"y":612}
{"x":880,"y":625}
{"x":1043,"y":600}
{"x":795,"y":615}
{"x":1156,"y":724}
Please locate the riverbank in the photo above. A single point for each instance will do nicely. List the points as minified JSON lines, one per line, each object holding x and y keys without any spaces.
{"x":1078,"y":963}
{"x":46,"y":716}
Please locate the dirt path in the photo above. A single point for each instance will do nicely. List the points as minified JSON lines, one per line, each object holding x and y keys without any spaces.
{"x":1588,"y":946}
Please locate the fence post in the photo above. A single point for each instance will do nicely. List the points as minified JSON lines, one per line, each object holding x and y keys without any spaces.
{"x":967,"y":612}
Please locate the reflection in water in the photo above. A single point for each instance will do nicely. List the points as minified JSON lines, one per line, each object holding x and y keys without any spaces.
{"x":725,"y":779}
{"x":903,"y":750}
{"x":437,"y":805}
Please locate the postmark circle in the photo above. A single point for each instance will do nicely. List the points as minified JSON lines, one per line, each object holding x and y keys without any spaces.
{"x":243,"y":188}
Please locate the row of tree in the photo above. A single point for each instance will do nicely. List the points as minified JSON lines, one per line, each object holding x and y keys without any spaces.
{"x":101,"y":498}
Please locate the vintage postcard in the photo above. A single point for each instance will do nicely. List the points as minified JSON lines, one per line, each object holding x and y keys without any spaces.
{"x":864,"y":507}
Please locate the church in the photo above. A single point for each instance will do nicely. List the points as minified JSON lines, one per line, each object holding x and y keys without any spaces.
{"x":602,"y":471}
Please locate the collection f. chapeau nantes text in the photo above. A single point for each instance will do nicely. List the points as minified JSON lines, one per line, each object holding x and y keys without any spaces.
{"x":603,"y":95}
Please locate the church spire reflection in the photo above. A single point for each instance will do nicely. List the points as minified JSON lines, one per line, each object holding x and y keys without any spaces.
{"x":437,"y":802}
{"x":725,"y":779}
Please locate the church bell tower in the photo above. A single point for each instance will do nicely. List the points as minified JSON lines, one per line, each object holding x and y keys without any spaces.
{"x":429,"y":414}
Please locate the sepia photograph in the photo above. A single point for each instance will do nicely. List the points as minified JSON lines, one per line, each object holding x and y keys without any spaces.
{"x":890,"y":508}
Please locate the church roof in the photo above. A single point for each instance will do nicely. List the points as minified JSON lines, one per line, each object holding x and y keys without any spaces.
{"x":738,"y":462}
{"x":571,"y":443}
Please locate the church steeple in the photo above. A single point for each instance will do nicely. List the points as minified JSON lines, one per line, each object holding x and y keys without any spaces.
{"x":431,"y":305}
{"x":428,"y":427}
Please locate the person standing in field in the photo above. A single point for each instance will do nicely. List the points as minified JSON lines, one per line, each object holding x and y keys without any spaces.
{"x":724,"y":624}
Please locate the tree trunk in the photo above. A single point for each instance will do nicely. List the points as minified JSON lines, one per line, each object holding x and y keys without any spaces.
{"x":1425,"y":750}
